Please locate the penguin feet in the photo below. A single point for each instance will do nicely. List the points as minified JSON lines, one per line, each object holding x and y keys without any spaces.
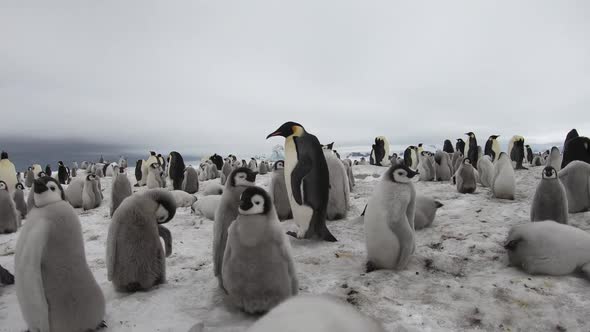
{"x":370,"y":267}
{"x":102,"y":325}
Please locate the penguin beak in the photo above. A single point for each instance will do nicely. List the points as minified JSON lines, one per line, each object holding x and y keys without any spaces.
{"x":412,"y":173}
{"x":39,"y":187}
{"x":276,"y":133}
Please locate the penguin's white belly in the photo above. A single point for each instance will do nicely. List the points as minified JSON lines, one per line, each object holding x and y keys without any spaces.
{"x":382,"y":244}
{"x":301,"y":214}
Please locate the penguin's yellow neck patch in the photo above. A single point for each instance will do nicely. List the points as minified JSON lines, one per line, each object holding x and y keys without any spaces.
{"x":297,"y":131}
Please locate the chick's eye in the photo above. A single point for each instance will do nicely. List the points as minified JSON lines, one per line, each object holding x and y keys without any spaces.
{"x":52,"y":188}
{"x":257,"y":203}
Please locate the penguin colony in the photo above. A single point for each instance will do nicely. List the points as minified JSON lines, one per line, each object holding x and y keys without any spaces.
{"x":251,"y":254}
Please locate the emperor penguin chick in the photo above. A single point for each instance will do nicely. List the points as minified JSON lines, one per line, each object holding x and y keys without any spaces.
{"x":550,"y":200}
{"x":120,"y":190}
{"x":9,"y":216}
{"x":135,"y":257}
{"x":258,"y":270}
{"x":54,"y":285}
{"x":389,"y":220}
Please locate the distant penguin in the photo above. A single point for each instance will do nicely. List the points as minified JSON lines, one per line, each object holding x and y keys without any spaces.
{"x":217,"y":161}
{"x":530,"y":155}
{"x":576,"y":180}
{"x":19,"y":200}
{"x":207,"y":206}
{"x":348,"y":165}
{"x":471,"y":151}
{"x":339,"y":193}
{"x":240,"y":179}
{"x":516,"y":151}
{"x":9,"y":216}
{"x":244,"y":163}
{"x":99,"y":170}
{"x":122,"y":162}
{"x":492,"y":148}
{"x":161,"y":161}
{"x":135,"y":257}
{"x":48,"y":170}
{"x":442,"y":166}
{"x":139,"y":172}
{"x":190,"y":183}
{"x":73,"y":173}
{"x":120,"y":189}
{"x":485,"y":168}
{"x":253,"y":165}
{"x":380,"y":152}
{"x":145,"y":167}
{"x":424,"y":168}
{"x":62,"y":173}
{"x":426,"y":208}
{"x":7,"y":172}
{"x":101,"y":159}
{"x":460,"y":146}
{"x":176,"y":169}
{"x":213,"y":189}
{"x":465,"y":178}
{"x":29,"y":177}
{"x":91,"y":195}
{"x":410,"y":157}
{"x":550,"y":200}
{"x":549,"y":248}
{"x":389,"y":220}
{"x":575,"y":147}
{"x":307,"y":180}
{"x":306,"y":313}
{"x":256,"y":238}
{"x":154,"y":178}
{"x":262,"y":168}
{"x":504,"y":185}
{"x":554,"y":159}
{"x":226,"y":170}
{"x":278,"y":191}
{"x":54,"y":285}
{"x":84,"y":165}
{"x":537,"y":161}
{"x":448,"y":146}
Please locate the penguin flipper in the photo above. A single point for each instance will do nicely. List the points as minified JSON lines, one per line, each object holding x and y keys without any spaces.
{"x":405,"y":236}
{"x":302,"y":168}
{"x":167,"y":237}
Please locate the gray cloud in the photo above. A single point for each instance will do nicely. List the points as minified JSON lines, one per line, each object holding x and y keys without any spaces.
{"x":209,"y":76}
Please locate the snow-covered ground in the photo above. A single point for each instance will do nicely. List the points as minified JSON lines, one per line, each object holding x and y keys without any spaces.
{"x":458,"y":278}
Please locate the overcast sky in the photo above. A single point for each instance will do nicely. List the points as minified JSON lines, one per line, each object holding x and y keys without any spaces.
{"x":218,"y":76}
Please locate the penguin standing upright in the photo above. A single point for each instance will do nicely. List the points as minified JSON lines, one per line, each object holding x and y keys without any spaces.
{"x":516,"y":151}
{"x":529,"y":154}
{"x":460,"y":146}
{"x":48,"y":170}
{"x":410,"y":157}
{"x":307,"y":179}
{"x":379,"y":152}
{"x":471,"y":152}
{"x":492,"y":147}
{"x":138,"y":172}
{"x":575,"y":147}
{"x":62,"y":173}
{"x":176,"y":169}
{"x":7,"y":172}
{"x":448,"y":147}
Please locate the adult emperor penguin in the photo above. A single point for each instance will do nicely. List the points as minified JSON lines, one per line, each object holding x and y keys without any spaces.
{"x":551,"y":248}
{"x":62,"y":173}
{"x":471,"y":152}
{"x":217,"y":160}
{"x":278,"y":191}
{"x":339,"y":194}
{"x":139,"y":173}
{"x":485,"y":167}
{"x":575,"y":147}
{"x":120,"y":189}
{"x":530,"y":155}
{"x":465,"y":178}
{"x":460,"y":146}
{"x":442,"y":166}
{"x":576,"y":180}
{"x":554,"y":159}
{"x":307,"y":180}
{"x":448,"y":146}
{"x":9,"y":216}
{"x":492,"y":148}
{"x":48,"y":170}
{"x":389,"y":220}
{"x":7,"y":172}
{"x":426,"y":208}
{"x":190,"y":184}
{"x":54,"y":285}
{"x":227,"y":211}
{"x":176,"y":169}
{"x":161,"y":161}
{"x":550,"y":200}
{"x":306,"y":313}
{"x":504,"y":185}
{"x":380,"y":152}
{"x":256,"y":238}
{"x":411,"y":157}
{"x":19,"y":200}
{"x":135,"y":257}
{"x":516,"y":151}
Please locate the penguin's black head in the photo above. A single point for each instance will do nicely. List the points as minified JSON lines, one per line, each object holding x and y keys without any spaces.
{"x":279,"y":164}
{"x":60,"y":163}
{"x":555,"y":149}
{"x":401,"y":173}
{"x":19,"y":186}
{"x":254,"y":200}
{"x":493,"y":137}
{"x":3,"y":155}
{"x":328,"y":146}
{"x":394,"y":156}
{"x":549,"y":173}
{"x":459,"y":140}
{"x":152,"y":153}
{"x":3,"y":186}
{"x":242,"y":177}
{"x":288,"y":129}
{"x":90,"y":177}
{"x":470,"y":134}
{"x":30,"y":168}
{"x":46,"y":191}
{"x":420,"y":145}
